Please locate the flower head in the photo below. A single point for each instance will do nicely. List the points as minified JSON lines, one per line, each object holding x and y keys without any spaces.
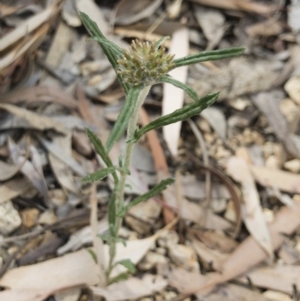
{"x":144,"y":63}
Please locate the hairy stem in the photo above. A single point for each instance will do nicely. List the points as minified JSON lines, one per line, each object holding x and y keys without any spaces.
{"x":126,"y":166}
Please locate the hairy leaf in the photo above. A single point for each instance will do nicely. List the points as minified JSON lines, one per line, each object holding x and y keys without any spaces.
{"x":110,"y":51}
{"x":168,"y":79}
{"x":100,"y":149}
{"x":151,"y":193}
{"x":209,"y":56}
{"x":127,"y":263}
{"x":98,"y":175}
{"x":178,"y":115}
{"x":123,"y":119}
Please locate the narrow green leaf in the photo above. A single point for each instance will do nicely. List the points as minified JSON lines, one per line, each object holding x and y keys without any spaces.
{"x":122,"y":121}
{"x":168,"y":79}
{"x":161,"y":41}
{"x":100,"y":149}
{"x":127,"y":263}
{"x":98,"y":175}
{"x":93,"y":254}
{"x":111,"y":54}
{"x":112,"y":231}
{"x":151,"y":193}
{"x":120,"y":277}
{"x":184,"y":113}
{"x":110,"y":46}
{"x":209,"y":56}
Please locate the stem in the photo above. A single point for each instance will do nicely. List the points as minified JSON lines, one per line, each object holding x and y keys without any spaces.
{"x":126,"y":166}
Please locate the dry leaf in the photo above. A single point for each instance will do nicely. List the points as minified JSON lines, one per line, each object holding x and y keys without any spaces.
{"x":243,"y":5}
{"x":270,"y":177}
{"x":64,"y":155}
{"x":37,"y":121}
{"x":28,"y":26}
{"x":70,"y":270}
{"x":252,"y":213}
{"x":7,"y":171}
{"x":212,"y":23}
{"x":268,"y":104}
{"x":174,"y":97}
{"x":248,"y":254}
{"x":132,"y":288}
{"x":34,"y":172}
{"x":280,"y":277}
{"x":40,"y":94}
{"x":13,"y":188}
{"x":217,"y":120}
{"x":131,"y":11}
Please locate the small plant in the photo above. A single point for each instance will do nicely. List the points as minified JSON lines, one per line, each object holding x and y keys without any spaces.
{"x":143,"y":65}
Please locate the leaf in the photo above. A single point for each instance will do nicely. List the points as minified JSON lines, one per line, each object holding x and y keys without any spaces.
{"x":253,"y":213}
{"x":178,"y":115}
{"x":96,"y":33}
{"x":209,"y":56}
{"x":33,"y":173}
{"x":122,"y":121}
{"x":100,"y":149}
{"x":180,"y":85}
{"x":98,"y":175}
{"x":131,"y":289}
{"x":120,"y":277}
{"x":131,"y":11}
{"x":37,"y":121}
{"x":93,"y":254}
{"x":151,"y":193}
{"x":13,"y":188}
{"x":127,"y":263}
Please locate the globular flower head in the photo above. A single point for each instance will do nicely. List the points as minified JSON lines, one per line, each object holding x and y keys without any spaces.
{"x":144,"y":63}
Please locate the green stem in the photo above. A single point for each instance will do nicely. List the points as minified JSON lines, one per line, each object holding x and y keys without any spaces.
{"x":126,"y":166}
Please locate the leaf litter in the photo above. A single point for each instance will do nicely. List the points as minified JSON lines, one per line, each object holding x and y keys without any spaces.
{"x":54,"y":83}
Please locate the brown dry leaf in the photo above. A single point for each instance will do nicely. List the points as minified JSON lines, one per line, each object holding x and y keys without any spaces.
{"x":26,"y":283}
{"x":13,"y":188}
{"x":280,"y":277}
{"x":212,"y":22}
{"x":132,"y":288}
{"x":173,"y":97}
{"x":270,"y":177}
{"x":131,"y":11}
{"x":252,"y":213}
{"x":7,"y":171}
{"x":212,"y":257}
{"x":243,"y":5}
{"x":231,"y":292}
{"x":267,"y":28}
{"x":71,"y":270}
{"x":40,"y":94}
{"x":37,"y":121}
{"x":185,"y":281}
{"x":64,"y":155}
{"x":82,"y":237}
{"x":31,"y":42}
{"x":248,"y":254}
{"x":6,"y":10}
{"x":61,"y":170}
{"x":240,"y":76}
{"x":32,"y":170}
{"x":292,"y":88}
{"x":268,"y":104}
{"x":216,"y":120}
{"x":28,"y":26}
{"x":193,"y":212}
